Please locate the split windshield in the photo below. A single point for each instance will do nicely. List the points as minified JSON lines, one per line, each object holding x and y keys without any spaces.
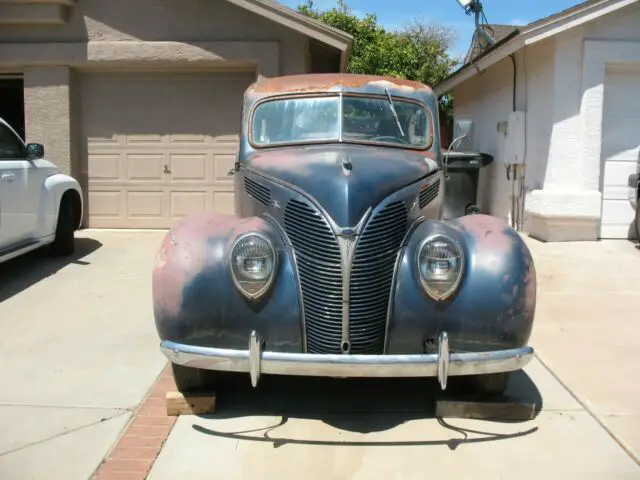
{"x":323,"y":119}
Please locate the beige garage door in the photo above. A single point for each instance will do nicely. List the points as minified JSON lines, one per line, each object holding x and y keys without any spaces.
{"x":159,"y":146}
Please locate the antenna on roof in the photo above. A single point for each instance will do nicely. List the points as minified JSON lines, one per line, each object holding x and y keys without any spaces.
{"x":475,"y":7}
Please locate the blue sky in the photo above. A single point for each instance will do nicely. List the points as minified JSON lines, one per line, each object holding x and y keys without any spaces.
{"x":394,"y":13}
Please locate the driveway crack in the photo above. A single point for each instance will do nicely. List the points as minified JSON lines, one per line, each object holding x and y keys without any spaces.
{"x":66,"y":432}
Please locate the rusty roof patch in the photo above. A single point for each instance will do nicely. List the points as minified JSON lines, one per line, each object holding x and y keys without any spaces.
{"x":326,"y":82}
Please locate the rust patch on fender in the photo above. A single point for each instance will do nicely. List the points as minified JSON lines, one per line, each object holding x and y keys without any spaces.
{"x":491,"y":233}
{"x":186,"y":250}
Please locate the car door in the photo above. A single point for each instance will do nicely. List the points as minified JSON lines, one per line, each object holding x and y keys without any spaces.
{"x":15,"y":204}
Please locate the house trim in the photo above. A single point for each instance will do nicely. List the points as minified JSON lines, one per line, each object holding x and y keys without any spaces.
{"x":299,"y":22}
{"x":262,"y":55}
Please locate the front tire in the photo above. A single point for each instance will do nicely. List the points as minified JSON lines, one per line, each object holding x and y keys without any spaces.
{"x":64,"y":241}
{"x":189,"y":379}
{"x":489,"y":385}
{"x":637,"y":221}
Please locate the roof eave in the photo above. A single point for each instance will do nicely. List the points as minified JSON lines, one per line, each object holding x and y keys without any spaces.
{"x":299,"y":22}
{"x":528,"y":37}
{"x":498,"y":51}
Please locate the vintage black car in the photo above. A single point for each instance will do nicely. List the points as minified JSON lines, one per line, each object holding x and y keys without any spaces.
{"x":337,"y":262}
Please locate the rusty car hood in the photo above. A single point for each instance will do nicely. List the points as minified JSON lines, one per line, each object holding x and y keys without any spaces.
{"x":345,"y":180}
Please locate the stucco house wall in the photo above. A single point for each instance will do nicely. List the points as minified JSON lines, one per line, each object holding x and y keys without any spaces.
{"x":560,"y":85}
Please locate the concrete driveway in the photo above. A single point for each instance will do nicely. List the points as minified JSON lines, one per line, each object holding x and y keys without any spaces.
{"x":80,"y":354}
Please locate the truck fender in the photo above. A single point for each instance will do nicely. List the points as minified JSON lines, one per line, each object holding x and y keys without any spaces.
{"x":494,"y":304}
{"x":55,"y":187}
{"x":196,"y":301}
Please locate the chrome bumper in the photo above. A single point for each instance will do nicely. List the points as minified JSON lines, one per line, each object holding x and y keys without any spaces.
{"x":255,"y":361}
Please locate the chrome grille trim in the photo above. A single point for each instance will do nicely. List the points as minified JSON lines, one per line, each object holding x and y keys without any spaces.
{"x":429,"y":193}
{"x":261,"y":193}
{"x":372,"y":275}
{"x":319,"y":266}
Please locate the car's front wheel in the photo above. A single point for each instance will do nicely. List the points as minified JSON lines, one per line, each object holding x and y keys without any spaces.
{"x":64,"y":240}
{"x":489,"y":385}
{"x":189,"y":379}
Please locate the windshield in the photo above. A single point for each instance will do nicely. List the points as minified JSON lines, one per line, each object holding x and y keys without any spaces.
{"x":321,"y":119}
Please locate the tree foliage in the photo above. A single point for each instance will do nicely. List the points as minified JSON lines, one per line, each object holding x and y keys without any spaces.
{"x":416,"y":51}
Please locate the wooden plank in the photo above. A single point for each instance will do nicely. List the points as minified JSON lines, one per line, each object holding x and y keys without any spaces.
{"x":485,"y":410}
{"x":179,"y":403}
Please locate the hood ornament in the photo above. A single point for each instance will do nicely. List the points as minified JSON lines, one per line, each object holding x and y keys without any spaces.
{"x":347,"y":166}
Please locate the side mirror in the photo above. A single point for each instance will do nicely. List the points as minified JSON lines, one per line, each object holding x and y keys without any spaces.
{"x":35,"y":151}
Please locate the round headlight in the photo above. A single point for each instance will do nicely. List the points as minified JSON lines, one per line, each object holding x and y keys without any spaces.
{"x":440,"y":264}
{"x":253,"y":264}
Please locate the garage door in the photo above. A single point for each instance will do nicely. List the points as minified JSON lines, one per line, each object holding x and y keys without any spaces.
{"x":159,"y":146}
{"x":620,"y":149}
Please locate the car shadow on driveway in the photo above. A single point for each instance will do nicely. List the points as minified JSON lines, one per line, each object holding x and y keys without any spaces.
{"x":26,"y":270}
{"x":355,"y":405}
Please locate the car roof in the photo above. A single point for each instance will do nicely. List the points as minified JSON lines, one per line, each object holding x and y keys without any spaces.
{"x":337,"y":82}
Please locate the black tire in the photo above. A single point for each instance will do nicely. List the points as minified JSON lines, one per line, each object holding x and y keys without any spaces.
{"x":491,"y":385}
{"x":637,"y":222}
{"x":471,"y":210}
{"x":190,"y":379}
{"x":64,"y":241}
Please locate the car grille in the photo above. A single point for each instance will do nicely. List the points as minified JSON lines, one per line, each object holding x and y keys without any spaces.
{"x":257,"y":191}
{"x":372,"y":276}
{"x":428,"y":194}
{"x":318,"y":260}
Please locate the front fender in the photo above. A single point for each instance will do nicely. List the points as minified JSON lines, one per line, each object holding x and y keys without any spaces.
{"x":195,"y":300}
{"x":54,"y":188}
{"x":494,"y":305}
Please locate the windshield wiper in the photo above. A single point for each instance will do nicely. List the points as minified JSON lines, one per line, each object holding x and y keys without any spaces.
{"x":393,"y":110}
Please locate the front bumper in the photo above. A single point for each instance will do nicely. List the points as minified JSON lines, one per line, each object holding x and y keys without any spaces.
{"x":254,"y":361}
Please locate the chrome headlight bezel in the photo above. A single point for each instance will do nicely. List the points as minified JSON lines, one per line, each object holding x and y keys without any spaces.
{"x":237,"y":282}
{"x":435,"y":295}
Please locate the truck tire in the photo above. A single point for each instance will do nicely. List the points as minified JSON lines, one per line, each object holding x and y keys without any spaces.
{"x":637,"y":221}
{"x":489,"y":385}
{"x":189,"y":379}
{"x":64,"y":241}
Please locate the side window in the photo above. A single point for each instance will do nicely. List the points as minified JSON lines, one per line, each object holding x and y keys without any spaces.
{"x":10,"y":146}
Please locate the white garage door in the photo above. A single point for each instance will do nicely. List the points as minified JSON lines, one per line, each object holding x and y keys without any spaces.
{"x":159,"y":146}
{"x":620,"y":149}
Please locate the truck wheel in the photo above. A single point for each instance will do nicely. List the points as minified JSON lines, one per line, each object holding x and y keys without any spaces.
{"x":637,"y":222}
{"x":64,"y":241}
{"x":490,"y":385}
{"x":471,"y":210}
{"x":189,"y":379}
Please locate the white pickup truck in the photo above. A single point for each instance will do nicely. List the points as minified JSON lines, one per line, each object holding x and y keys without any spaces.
{"x":38,"y":205}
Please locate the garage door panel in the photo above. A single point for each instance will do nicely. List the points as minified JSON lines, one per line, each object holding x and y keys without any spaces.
{"x":105,"y":166}
{"x":223,"y":202}
{"x":159,"y":146}
{"x":186,"y":203}
{"x":145,"y":167}
{"x":191,"y":167}
{"x":105,"y":204}
{"x":145,"y":204}
{"x":222,"y":165}
{"x":620,"y":150}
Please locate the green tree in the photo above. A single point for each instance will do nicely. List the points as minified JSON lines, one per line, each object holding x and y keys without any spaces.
{"x":416,"y":51}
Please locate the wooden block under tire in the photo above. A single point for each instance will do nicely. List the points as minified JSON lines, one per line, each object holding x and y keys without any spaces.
{"x":184,"y":403}
{"x":485,"y":410}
